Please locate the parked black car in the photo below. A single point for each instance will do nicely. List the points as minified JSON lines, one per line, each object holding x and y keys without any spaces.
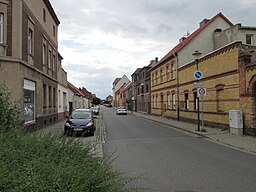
{"x":80,"y":121}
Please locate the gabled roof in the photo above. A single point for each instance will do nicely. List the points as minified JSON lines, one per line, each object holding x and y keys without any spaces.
{"x":136,"y":71}
{"x":75,"y":90}
{"x":184,"y":43}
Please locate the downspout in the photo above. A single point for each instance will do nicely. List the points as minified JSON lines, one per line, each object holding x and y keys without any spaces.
{"x":177,"y":86}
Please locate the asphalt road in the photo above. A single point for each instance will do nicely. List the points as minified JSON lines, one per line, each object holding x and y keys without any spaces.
{"x":169,"y":160}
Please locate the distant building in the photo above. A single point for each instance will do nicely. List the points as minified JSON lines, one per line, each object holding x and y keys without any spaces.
{"x":141,"y":88}
{"x":117,"y":84}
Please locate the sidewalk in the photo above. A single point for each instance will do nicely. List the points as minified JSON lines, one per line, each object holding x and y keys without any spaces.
{"x":240,"y":142}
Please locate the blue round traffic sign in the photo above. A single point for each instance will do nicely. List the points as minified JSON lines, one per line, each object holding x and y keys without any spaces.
{"x":198,"y":75}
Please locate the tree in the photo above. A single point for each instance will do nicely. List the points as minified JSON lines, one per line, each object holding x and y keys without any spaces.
{"x":96,"y":101}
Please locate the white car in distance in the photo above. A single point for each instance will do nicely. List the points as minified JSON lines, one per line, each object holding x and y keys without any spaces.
{"x":121,"y":111}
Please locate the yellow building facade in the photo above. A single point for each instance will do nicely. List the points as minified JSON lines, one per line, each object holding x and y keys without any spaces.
{"x":230,"y":81}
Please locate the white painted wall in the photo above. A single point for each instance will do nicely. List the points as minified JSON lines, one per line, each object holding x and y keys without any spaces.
{"x":62,"y":101}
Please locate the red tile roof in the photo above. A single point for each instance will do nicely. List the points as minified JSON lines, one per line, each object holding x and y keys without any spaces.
{"x":183,"y":44}
{"x":75,"y":89}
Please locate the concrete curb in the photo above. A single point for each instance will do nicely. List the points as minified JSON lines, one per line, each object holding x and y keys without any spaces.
{"x":209,"y":136}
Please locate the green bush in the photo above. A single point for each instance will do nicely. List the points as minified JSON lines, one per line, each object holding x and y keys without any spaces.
{"x":10,"y":117}
{"x":30,"y":162}
{"x":40,"y":163}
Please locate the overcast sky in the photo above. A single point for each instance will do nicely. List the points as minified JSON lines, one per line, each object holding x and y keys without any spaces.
{"x":101,"y":40}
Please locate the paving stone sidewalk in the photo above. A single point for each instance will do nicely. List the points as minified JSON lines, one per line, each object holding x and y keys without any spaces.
{"x":240,"y":142}
{"x":57,"y":129}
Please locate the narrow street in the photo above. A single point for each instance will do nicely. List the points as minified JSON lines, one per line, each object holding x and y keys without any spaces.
{"x":168,"y":160}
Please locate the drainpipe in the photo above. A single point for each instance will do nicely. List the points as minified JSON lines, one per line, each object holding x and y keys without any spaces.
{"x":177,"y":86}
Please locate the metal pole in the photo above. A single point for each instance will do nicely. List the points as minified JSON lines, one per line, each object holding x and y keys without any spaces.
{"x":198,"y":113}
{"x":203,"y":130}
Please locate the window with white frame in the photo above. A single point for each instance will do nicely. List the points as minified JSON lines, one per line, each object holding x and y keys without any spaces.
{"x":172,"y":71}
{"x":173,"y":101}
{"x":167,"y":72}
{"x":1,"y":28}
{"x":44,"y":54}
{"x":168,"y":101}
{"x":29,"y":101}
{"x":186,"y":101}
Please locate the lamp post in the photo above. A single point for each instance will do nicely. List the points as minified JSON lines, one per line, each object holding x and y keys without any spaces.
{"x":197,"y":55}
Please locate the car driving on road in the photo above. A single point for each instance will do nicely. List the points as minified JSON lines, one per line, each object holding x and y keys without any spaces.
{"x":121,"y":111}
{"x":80,"y":121}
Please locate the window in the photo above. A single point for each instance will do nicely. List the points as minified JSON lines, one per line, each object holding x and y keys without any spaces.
{"x":156,"y":101}
{"x":147,"y":88}
{"x":44,"y":54}
{"x":54,"y":30}
{"x":186,"y":101}
{"x":168,"y":101}
{"x":53,"y":62}
{"x":59,"y":99}
{"x":44,"y":15}
{"x":153,"y":79}
{"x":50,"y":96}
{"x":167,"y":72}
{"x":153,"y":101}
{"x":249,"y":39}
{"x":172,"y":71}
{"x":29,"y":101}
{"x":54,"y":97}
{"x":49,"y":59}
{"x":161,"y":75}
{"x":173,"y":101}
{"x":65,"y":101}
{"x":220,"y":96}
{"x":44,"y":95}
{"x":30,"y":41}
{"x":195,"y":100}
{"x":1,"y":28}
{"x":156,"y":77}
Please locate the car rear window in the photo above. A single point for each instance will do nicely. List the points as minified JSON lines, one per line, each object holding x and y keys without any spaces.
{"x":81,"y":115}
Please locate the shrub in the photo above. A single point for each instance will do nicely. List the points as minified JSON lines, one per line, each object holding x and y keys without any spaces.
{"x":10,"y":117}
{"x":30,"y":162}
{"x":40,"y":163}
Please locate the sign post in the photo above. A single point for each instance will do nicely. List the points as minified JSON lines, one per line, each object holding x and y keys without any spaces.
{"x":201,"y":92}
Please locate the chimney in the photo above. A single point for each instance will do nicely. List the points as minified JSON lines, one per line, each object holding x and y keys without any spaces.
{"x":202,"y":23}
{"x":156,"y":59}
{"x":182,"y":39}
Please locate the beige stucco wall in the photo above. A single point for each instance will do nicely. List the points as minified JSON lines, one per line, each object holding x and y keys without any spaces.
{"x":36,"y":7}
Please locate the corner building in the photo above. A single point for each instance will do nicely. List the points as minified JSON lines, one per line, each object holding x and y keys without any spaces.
{"x":29,"y":57}
{"x":228,"y":65}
